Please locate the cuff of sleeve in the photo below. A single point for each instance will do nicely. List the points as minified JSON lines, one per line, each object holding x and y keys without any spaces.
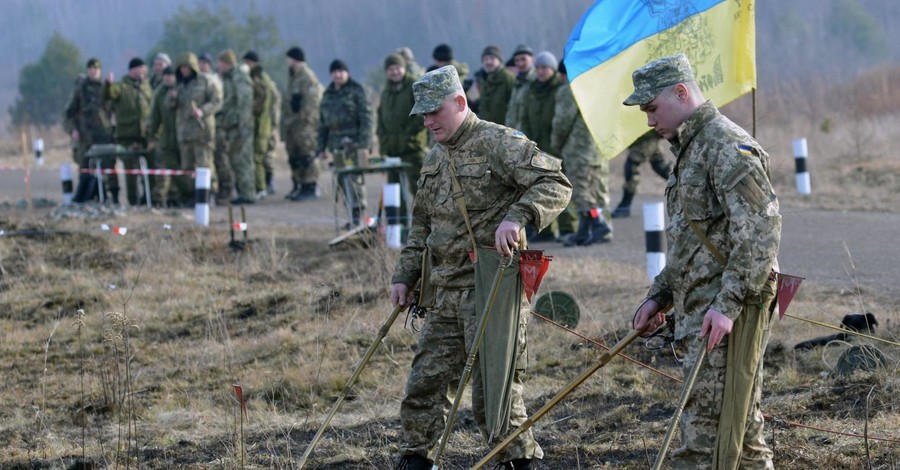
{"x":404,"y":278}
{"x":727,"y":306}
{"x":519,"y":216}
{"x":661,"y":295}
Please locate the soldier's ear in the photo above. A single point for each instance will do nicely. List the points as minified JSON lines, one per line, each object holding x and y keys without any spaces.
{"x":460,"y":102}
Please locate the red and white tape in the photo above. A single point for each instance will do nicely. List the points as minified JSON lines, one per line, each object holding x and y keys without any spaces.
{"x":159,"y":172}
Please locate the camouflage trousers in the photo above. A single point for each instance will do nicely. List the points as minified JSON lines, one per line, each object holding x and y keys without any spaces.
{"x":238,"y":147}
{"x":640,"y":152}
{"x":197,"y":155}
{"x":444,"y":342}
{"x":700,"y":421}
{"x":304,"y":167}
{"x":590,"y":184}
{"x":163,"y":192}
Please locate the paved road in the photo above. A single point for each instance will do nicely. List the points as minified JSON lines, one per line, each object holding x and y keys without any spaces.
{"x":829,"y":248}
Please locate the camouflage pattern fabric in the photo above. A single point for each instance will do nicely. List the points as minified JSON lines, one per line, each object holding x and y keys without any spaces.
{"x":537,"y":111}
{"x":655,"y":76}
{"x":583,"y":165}
{"x":721,"y":182}
{"x":130,"y":101}
{"x":299,"y":123}
{"x":235,"y":123}
{"x":496,"y":90}
{"x":162,"y":130}
{"x":645,"y":148}
{"x":87,"y":113}
{"x":345,"y":126}
{"x":517,"y":100}
{"x":197,"y":91}
{"x":263,"y":96}
{"x":432,"y":89}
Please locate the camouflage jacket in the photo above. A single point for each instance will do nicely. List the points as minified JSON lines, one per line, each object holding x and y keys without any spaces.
{"x":517,"y":99}
{"x":162,"y":121}
{"x":198,"y":90}
{"x":398,"y":132}
{"x":536,"y":116}
{"x":344,"y":112}
{"x":496,"y":89}
{"x":503,"y":176}
{"x":263,"y":96}
{"x":237,"y":102}
{"x":570,"y":138}
{"x":130,"y":101}
{"x":88,"y":113}
{"x":300,"y":109}
{"x":721,"y":181}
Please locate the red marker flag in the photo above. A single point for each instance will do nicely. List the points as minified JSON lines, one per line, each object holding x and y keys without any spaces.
{"x":239,"y":393}
{"x":786,"y":289}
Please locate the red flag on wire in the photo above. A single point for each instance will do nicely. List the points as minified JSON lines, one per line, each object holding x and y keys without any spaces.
{"x":239,"y":394}
{"x":786,"y":289}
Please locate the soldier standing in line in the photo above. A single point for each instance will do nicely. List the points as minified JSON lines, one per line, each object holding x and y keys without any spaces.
{"x":345,"y":130}
{"x":299,"y":124}
{"x":523,"y":57}
{"x":643,"y":149}
{"x":509,"y":183}
{"x":130,"y":101}
{"x":160,"y":62}
{"x":263,"y":87}
{"x":195,"y":99}
{"x":443,"y":55}
{"x":234,"y":122}
{"x":724,"y":231}
{"x":164,"y":140}
{"x":220,"y":160}
{"x":495,"y":86}
{"x":87,"y":121}
{"x":413,"y":69}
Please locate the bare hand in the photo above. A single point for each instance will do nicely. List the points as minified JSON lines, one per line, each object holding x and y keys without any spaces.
{"x":400,"y":294}
{"x":110,"y":77}
{"x":198,"y":113}
{"x":506,"y":238}
{"x":717,"y":325}
{"x":151,"y":144}
{"x":76,"y":136}
{"x":648,"y":318}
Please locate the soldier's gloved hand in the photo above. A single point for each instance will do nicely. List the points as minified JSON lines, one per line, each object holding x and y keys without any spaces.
{"x":648,"y":318}
{"x":400,"y":294}
{"x":717,"y":325}
{"x":506,"y":238}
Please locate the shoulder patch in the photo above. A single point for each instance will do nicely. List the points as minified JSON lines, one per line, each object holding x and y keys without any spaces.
{"x":519,"y":135}
{"x":746,"y":150}
{"x":545,"y":162}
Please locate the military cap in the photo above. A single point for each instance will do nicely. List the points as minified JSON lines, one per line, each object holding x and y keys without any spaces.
{"x":523,"y":49}
{"x":135,"y":62}
{"x":337,"y":64}
{"x":227,"y":57}
{"x":433,"y":88}
{"x":92,"y":62}
{"x":653,"y":77}
{"x":251,"y":56}
{"x":493,"y":50}
{"x":394,"y":59}
{"x":206,"y":57}
{"x":296,"y":53}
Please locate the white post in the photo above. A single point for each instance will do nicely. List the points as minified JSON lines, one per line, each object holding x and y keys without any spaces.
{"x":65,"y":175}
{"x":801,"y":153}
{"x":393,"y":229}
{"x":39,"y":151}
{"x":654,"y":234}
{"x":201,"y":196}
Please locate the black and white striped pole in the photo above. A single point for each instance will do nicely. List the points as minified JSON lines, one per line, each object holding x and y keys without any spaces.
{"x":393,"y":229}
{"x":201,"y":196}
{"x":654,"y":234}
{"x":39,"y":151}
{"x":65,"y":175}
{"x":801,"y":152}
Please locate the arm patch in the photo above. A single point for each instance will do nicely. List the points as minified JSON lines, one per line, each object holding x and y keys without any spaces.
{"x":545,"y":162}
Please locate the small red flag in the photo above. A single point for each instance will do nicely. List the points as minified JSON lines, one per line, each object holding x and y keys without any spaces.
{"x":239,"y":393}
{"x":786,"y":289}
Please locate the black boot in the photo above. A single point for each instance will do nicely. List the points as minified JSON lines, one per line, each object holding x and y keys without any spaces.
{"x":354,"y":214}
{"x":270,"y":183}
{"x":601,"y":232}
{"x":584,"y":230}
{"x":86,"y":190}
{"x":308,"y":192}
{"x":413,"y":462}
{"x":292,"y":195}
{"x":517,"y":464}
{"x":624,"y":207}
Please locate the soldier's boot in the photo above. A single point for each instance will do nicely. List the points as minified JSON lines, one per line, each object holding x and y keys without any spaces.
{"x":292,"y":195}
{"x":270,"y":182}
{"x":114,"y":196}
{"x":354,"y":215}
{"x":624,"y":207}
{"x":308,"y":192}
{"x":517,"y":464}
{"x":601,"y":232}
{"x":583,"y":232}
{"x":87,"y":188}
{"x":413,"y":462}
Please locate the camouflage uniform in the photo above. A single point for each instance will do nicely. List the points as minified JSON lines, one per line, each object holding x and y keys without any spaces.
{"x":496,"y":89}
{"x":504,"y":177}
{"x":87,"y":113}
{"x":299,"y":123}
{"x":130,"y":101}
{"x":586,"y":168}
{"x":399,"y":134}
{"x":196,"y":137}
{"x":345,"y":126}
{"x":721,"y":183}
{"x":234,"y":123}
{"x":275,"y":118}
{"x":263,"y":124}
{"x":162,"y":131}
{"x":517,"y":99}
{"x":643,"y":149}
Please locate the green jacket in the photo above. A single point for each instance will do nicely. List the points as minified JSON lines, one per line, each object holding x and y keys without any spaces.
{"x":200,"y":91}
{"x":263,"y":88}
{"x":130,"y":100}
{"x":237,"y":101}
{"x":344,"y":113}
{"x":162,"y":120}
{"x":496,"y":90}
{"x":398,"y":132}
{"x":88,"y":113}
{"x":517,"y":100}
{"x":537,"y":112}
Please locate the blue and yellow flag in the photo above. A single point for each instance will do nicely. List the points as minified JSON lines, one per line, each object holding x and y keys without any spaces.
{"x":615,"y":37}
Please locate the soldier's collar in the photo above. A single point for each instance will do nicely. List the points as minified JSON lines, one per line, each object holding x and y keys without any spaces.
{"x":465,"y":130}
{"x":696,"y":121}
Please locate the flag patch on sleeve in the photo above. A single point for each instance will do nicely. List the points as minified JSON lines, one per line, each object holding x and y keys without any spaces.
{"x":746,"y":150}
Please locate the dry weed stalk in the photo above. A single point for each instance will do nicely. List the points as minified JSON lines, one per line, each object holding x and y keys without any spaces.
{"x":117,"y":334}
{"x":79,"y":325}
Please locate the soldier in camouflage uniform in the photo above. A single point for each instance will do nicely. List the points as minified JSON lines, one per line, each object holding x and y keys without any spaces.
{"x":195,"y":99}
{"x":345,"y":130}
{"x":164,"y":140}
{"x":643,"y":149}
{"x":130,"y":101}
{"x":443,"y":55}
{"x":413,"y":69}
{"x":87,"y":120}
{"x":724,"y":231}
{"x":299,"y":124}
{"x":495,"y":85}
{"x":586,"y":168}
{"x":399,"y":133}
{"x":523,"y":57}
{"x":160,"y":62}
{"x":507,"y":183}
{"x":234,"y":122}
{"x":263,"y":88}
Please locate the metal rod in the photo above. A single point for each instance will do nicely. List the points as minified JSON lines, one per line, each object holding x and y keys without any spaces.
{"x":685,"y":395}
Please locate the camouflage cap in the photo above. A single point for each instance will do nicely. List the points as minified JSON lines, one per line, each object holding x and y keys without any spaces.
{"x":433,"y":88}
{"x":653,"y":77}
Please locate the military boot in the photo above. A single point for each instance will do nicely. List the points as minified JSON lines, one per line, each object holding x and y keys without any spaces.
{"x":293,"y":193}
{"x":601,"y":232}
{"x":624,"y":207}
{"x":583,"y":232}
{"x":413,"y":462}
{"x":355,"y":214}
{"x":308,"y":192}
{"x":270,"y":182}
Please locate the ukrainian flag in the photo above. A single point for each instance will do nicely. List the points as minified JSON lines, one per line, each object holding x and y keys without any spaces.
{"x":615,"y":37}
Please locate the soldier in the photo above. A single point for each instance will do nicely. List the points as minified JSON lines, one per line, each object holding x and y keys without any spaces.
{"x":585,"y":167}
{"x":299,"y":124}
{"x":724,"y":231}
{"x":509,"y":183}
{"x":195,"y":99}
{"x":130,"y":101}
{"x":399,"y":133}
{"x":345,"y":130}
{"x":263,"y":88}
{"x":643,"y":149}
{"x":523,"y":57}
{"x":87,"y":120}
{"x":443,"y":55}
{"x":495,"y":85}
{"x":160,"y":62}
{"x":413,"y":69}
{"x":220,"y":160}
{"x":234,"y":123}
{"x":164,"y":140}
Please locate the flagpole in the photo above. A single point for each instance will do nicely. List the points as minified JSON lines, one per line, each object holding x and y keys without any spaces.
{"x":753,"y":97}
